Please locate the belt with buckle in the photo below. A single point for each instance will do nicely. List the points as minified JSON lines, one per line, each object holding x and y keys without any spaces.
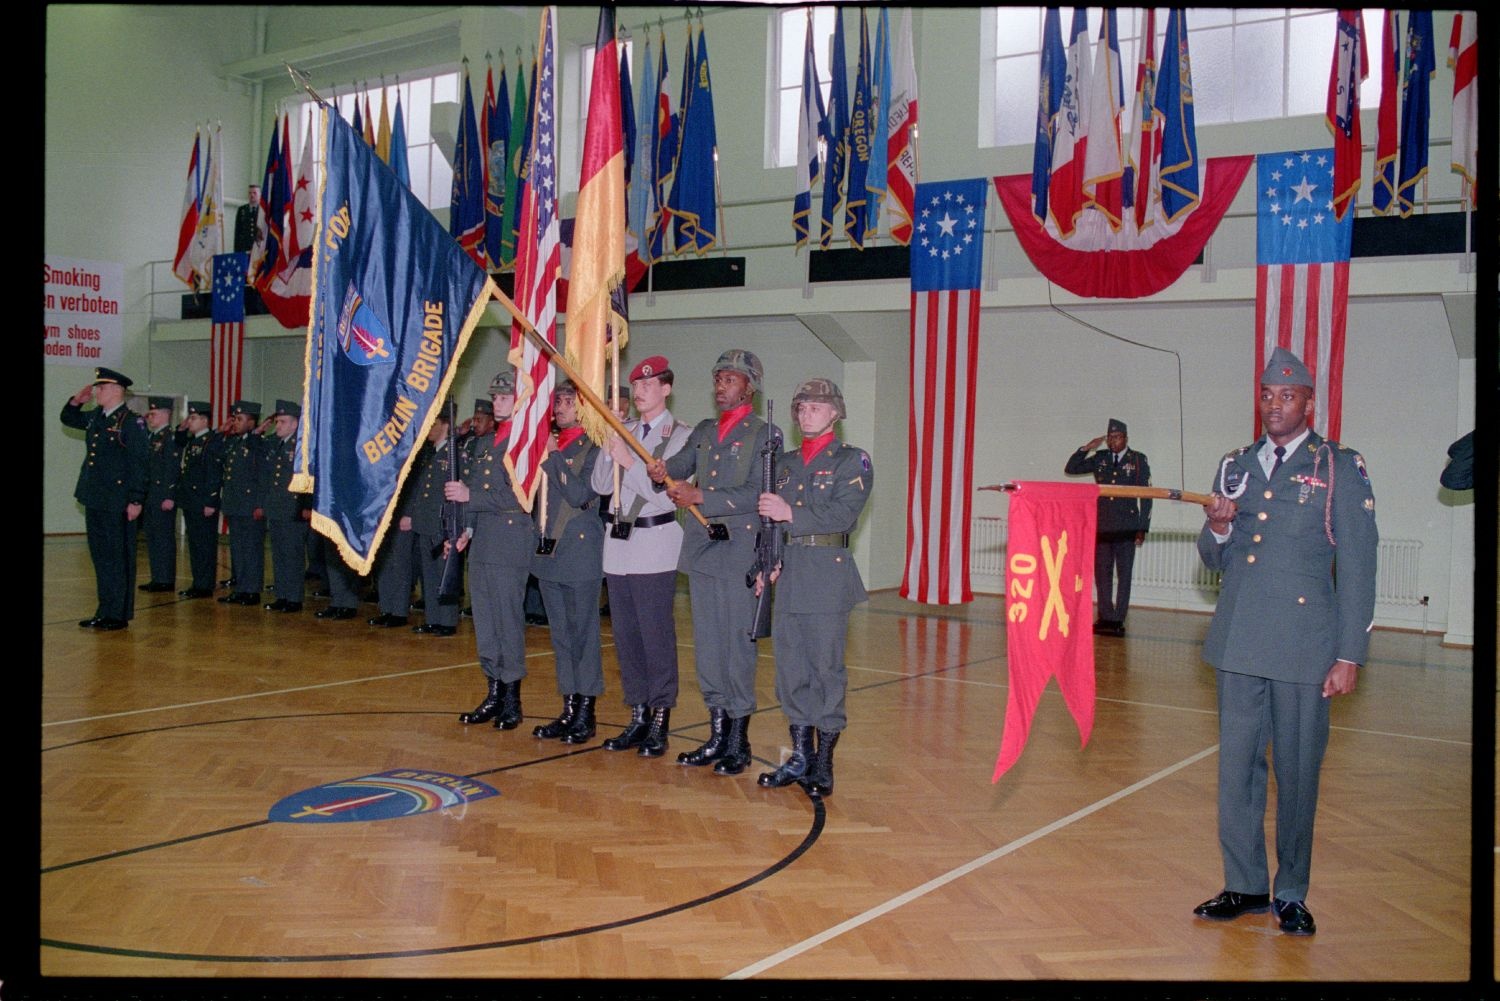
{"x":833,"y":540}
{"x":648,"y":522}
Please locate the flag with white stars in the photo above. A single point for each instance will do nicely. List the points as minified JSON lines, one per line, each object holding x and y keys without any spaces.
{"x":1302,"y":273}
{"x":948,"y":234}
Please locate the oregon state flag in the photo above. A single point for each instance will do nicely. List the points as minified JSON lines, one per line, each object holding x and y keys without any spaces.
{"x":394,"y":301}
{"x":1049,"y":575}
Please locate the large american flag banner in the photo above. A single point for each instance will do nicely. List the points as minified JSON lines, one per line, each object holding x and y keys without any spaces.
{"x":226,"y":353}
{"x":1302,"y":274}
{"x":946,"y":263}
{"x":538,"y":260}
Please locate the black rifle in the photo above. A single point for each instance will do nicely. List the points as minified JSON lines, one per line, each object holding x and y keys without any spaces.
{"x":451,"y":590}
{"x":768,"y":539}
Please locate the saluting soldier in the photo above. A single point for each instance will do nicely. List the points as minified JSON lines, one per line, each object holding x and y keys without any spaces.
{"x":721,"y":454}
{"x":198,"y":496}
{"x":159,"y":517}
{"x":112,"y":489}
{"x":428,"y":475}
{"x":287,"y":514}
{"x":1122,"y":521}
{"x":567,"y":566}
{"x":244,"y":504}
{"x":1292,"y":528}
{"x":500,"y":539}
{"x":640,"y":562}
{"x":821,"y":488}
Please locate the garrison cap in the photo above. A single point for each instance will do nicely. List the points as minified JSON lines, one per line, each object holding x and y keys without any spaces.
{"x":503,"y":384}
{"x":820,"y":391}
{"x":484,"y":407}
{"x":160,"y":402}
{"x":286,"y":408}
{"x":107,"y":376}
{"x":653,"y":366}
{"x":744,"y":362}
{"x":1115,"y":424}
{"x":247,"y":407}
{"x":1286,"y":369}
{"x":200,"y":408}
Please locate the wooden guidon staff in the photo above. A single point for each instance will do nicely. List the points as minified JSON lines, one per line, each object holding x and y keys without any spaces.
{"x":585,"y":391}
{"x":1107,"y":490}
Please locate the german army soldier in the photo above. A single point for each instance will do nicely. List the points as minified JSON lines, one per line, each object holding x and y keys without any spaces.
{"x":1122,"y":523}
{"x":641,"y":549}
{"x":1292,"y":528}
{"x":567,"y":567}
{"x":112,"y":489}
{"x":287,"y":514}
{"x":500,"y":539}
{"x":821,"y":488}
{"x":197,"y":496}
{"x":721,"y":455}
{"x":159,"y":516}
{"x":244,"y":504}
{"x":427,"y":478}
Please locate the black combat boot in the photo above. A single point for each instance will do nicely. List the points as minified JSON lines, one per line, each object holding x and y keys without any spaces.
{"x":713,"y":748}
{"x":654,"y":744}
{"x":819,"y":780}
{"x":736,"y":756}
{"x":559,"y":726}
{"x":510,"y":705}
{"x":581,"y":729}
{"x":796,"y":765}
{"x":634,"y":732}
{"x":486,"y":710}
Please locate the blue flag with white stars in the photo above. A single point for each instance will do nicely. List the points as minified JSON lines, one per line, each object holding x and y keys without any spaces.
{"x":948,"y":235}
{"x":1295,"y":222}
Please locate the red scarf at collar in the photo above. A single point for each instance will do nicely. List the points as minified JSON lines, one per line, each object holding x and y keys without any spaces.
{"x":816,"y":445}
{"x":730,"y":418}
{"x":568,"y":437}
{"x":502,"y":431}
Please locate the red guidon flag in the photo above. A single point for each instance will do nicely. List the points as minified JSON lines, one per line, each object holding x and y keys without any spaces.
{"x":1049,"y":573}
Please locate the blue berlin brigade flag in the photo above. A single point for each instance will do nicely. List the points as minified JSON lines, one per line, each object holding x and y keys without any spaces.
{"x":394,"y":301}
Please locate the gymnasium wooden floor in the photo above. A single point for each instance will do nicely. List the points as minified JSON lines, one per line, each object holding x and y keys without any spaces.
{"x":165,"y":746}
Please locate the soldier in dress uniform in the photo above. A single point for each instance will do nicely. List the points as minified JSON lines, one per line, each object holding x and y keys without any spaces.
{"x":722,"y":454}
{"x":1292,"y":528}
{"x":641,"y":550}
{"x":1122,"y":521}
{"x":112,"y":489}
{"x":480,"y":425}
{"x":426,"y":506}
{"x":500,"y":539}
{"x":242,"y":493}
{"x":568,"y":570}
{"x":198,"y":496}
{"x":821,"y":488}
{"x":287,"y":514}
{"x":397,"y":562}
{"x":159,"y":517}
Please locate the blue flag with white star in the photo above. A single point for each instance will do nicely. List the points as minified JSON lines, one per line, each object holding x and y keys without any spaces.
{"x":948,"y":235}
{"x":1295,"y":221}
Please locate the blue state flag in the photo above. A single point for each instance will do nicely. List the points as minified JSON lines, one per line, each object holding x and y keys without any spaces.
{"x":229,"y":288}
{"x":1054,"y":73}
{"x":947,"y":240}
{"x":1416,"y":101}
{"x":399,"y":162}
{"x":856,"y":198}
{"x":693,"y":201}
{"x":393,"y":305}
{"x":1179,"y":137}
{"x":836,"y":139}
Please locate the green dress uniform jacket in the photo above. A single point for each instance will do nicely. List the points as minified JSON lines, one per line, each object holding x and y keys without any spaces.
{"x":198,"y":488}
{"x":163,"y":469}
{"x":424,"y":504}
{"x":283,"y":518}
{"x":243,"y":492}
{"x":113,"y":475}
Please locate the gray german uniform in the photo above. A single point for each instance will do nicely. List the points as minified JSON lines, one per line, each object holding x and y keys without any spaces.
{"x":162,"y":470}
{"x":242,"y":491}
{"x":819,"y":583}
{"x":424,"y":505}
{"x":723,"y":607}
{"x":499,"y":559}
{"x":283,"y":517}
{"x":570,"y":576}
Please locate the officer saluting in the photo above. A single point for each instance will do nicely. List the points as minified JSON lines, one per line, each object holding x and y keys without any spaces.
{"x":198,"y":496}
{"x":112,"y":489}
{"x":1122,"y":521}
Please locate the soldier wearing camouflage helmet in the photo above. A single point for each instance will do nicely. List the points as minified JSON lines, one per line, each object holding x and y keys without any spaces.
{"x":721,"y":455}
{"x":821,"y":488}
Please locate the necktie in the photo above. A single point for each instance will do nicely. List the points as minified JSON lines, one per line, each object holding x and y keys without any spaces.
{"x":645,"y":429}
{"x":1280,"y":451}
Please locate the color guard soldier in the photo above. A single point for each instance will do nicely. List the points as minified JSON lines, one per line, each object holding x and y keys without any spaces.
{"x":500,"y":539}
{"x":568,"y":570}
{"x":641,"y":550}
{"x":112,"y":489}
{"x":244,"y":504}
{"x":821,"y":488}
{"x":287,"y":514}
{"x":427,"y":478}
{"x":722,"y":454}
{"x":159,"y":517}
{"x":198,"y":496}
{"x":1122,"y":521}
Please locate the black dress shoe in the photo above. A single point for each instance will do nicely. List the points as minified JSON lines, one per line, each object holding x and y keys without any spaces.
{"x":388,"y":621}
{"x":533,"y":619}
{"x":322,"y":592}
{"x":154,"y":587}
{"x":1118,"y":629}
{"x":335,"y":612}
{"x":1295,"y":918}
{"x":90,"y":623}
{"x":227,"y":582}
{"x":196,"y":592}
{"x":276,"y":606}
{"x":291,"y":606}
{"x":226,"y":599}
{"x":245,"y":598}
{"x":432,"y":629}
{"x":1229,"y":905}
{"x":110,"y":625}
{"x":467,"y":613}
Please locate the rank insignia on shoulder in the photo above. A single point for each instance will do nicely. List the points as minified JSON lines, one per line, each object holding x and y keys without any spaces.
{"x":864,"y":460}
{"x":1359,"y":464}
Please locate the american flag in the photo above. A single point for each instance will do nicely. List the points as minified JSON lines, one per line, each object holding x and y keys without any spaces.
{"x":945,"y":269}
{"x":226,"y":351}
{"x":1302,"y":274}
{"x":538,"y":259}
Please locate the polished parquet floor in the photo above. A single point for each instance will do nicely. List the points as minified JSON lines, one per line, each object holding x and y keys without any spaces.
{"x":164,"y":748}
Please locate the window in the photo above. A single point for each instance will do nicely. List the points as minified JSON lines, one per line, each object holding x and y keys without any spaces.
{"x":787,"y":44}
{"x":571,"y":160}
{"x":1248,"y":64}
